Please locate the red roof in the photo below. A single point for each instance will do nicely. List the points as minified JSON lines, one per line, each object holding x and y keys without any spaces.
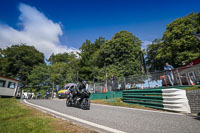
{"x":194,"y":62}
{"x":188,"y":65}
{"x":8,"y":78}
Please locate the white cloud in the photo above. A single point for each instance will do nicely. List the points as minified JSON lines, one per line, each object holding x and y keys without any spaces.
{"x":145,"y":43}
{"x":37,"y":30}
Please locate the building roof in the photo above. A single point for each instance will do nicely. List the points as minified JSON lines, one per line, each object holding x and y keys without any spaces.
{"x":194,"y":62}
{"x":9,"y":78}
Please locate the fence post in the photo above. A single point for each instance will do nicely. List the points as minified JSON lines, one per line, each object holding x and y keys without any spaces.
{"x":179,"y":77}
{"x":148,"y":82}
{"x":94,"y":87}
{"x":106,"y":82}
{"x":124,"y":83}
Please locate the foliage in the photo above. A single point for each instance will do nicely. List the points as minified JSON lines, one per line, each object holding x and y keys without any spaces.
{"x":62,"y":57}
{"x":18,"y":61}
{"x":64,"y":68}
{"x":179,"y":44}
{"x":87,"y":65}
{"x":39,"y":77}
{"x":58,"y":73}
{"x":120,"y":55}
{"x":152,"y":50}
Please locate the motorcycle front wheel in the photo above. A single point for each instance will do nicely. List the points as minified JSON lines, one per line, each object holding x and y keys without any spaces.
{"x":85,"y":104}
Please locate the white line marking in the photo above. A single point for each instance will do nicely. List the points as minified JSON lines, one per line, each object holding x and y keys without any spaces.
{"x":138,"y":109}
{"x":78,"y":119}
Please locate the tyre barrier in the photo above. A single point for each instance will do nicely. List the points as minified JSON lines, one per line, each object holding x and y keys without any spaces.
{"x":166,"y":99}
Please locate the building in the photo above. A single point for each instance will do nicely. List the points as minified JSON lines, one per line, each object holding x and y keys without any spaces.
{"x":189,"y":73}
{"x":8,"y":87}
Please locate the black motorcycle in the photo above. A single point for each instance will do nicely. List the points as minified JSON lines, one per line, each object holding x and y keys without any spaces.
{"x":46,"y":96}
{"x":78,"y":99}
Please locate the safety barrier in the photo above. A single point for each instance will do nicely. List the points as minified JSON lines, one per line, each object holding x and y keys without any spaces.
{"x":107,"y":95}
{"x":172,"y":99}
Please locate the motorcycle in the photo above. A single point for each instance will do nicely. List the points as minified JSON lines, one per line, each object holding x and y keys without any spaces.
{"x":38,"y":96}
{"x":76,"y":99}
{"x":46,"y":96}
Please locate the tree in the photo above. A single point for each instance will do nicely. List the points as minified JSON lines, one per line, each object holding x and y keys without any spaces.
{"x":18,"y":61}
{"x":120,"y":55}
{"x":39,"y":77}
{"x":179,"y":44}
{"x":58,"y":73}
{"x":61,"y":57}
{"x":64,"y":67}
{"x":152,"y":51}
{"x":88,"y":55}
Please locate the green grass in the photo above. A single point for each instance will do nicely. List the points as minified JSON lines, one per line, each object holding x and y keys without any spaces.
{"x":196,"y":87}
{"x":14,"y":118}
{"x":18,"y":118}
{"x":118,"y":102}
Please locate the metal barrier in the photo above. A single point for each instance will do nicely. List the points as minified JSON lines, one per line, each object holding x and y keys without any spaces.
{"x":187,"y":75}
{"x":172,"y":99}
{"x":98,"y":87}
{"x":107,"y":95}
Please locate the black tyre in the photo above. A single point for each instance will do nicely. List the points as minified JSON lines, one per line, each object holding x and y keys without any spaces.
{"x":85,"y":104}
{"x":88,"y":103}
{"x":68,"y":103}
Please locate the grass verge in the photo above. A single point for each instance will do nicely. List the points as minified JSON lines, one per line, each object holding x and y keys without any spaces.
{"x":18,"y":118}
{"x":119,"y":102}
{"x":196,"y":87}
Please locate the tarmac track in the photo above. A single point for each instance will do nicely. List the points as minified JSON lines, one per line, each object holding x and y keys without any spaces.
{"x":119,"y":119}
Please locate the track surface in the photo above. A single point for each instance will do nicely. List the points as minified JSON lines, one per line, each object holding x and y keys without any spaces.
{"x":127,"y":120}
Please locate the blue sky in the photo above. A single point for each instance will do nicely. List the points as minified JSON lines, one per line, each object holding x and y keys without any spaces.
{"x":88,"y":19}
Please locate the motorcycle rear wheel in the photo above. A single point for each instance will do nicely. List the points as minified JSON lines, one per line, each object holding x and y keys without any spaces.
{"x":68,"y":103}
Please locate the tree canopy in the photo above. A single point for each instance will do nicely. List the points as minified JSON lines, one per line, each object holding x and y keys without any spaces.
{"x":178,"y":44}
{"x":18,"y":61}
{"x":88,"y":55}
{"x":120,"y":55}
{"x":39,"y":77}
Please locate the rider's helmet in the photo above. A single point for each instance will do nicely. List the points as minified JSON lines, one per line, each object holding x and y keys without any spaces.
{"x":84,"y":82}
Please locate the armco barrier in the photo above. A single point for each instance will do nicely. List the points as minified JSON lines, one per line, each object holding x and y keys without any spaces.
{"x":167,"y":99}
{"x":107,"y":95}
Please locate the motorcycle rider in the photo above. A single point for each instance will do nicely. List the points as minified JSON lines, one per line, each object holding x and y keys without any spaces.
{"x":72,"y":93}
{"x":75,"y":91}
{"x":81,"y":86}
{"x":47,"y":94}
{"x":38,"y":95}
